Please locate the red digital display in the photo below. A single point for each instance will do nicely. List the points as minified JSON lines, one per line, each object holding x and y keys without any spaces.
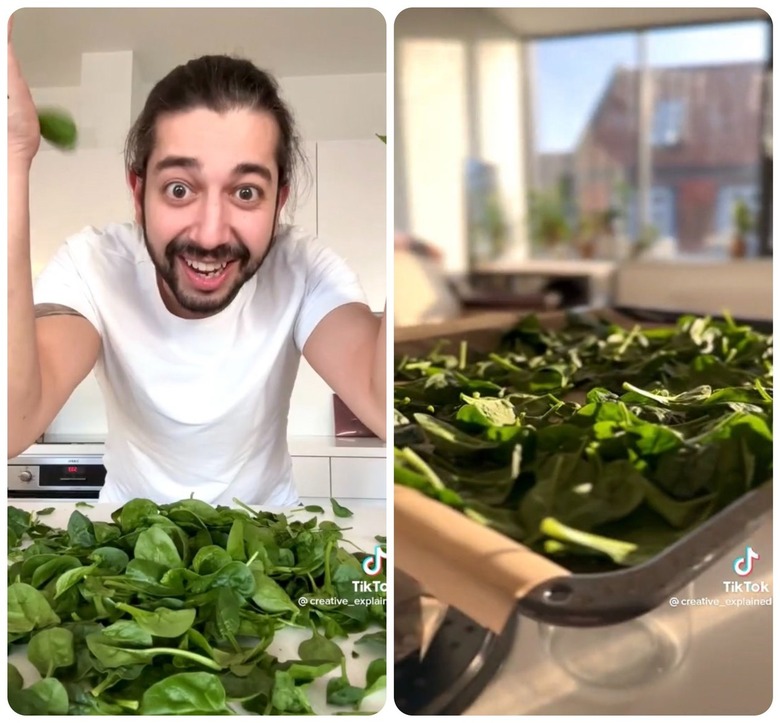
{"x":73,"y":469}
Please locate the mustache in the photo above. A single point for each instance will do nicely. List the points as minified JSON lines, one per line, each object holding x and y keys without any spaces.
{"x":224,"y":252}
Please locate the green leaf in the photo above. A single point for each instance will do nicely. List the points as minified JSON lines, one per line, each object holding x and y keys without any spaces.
{"x":110,"y":559}
{"x":155,"y":545}
{"x":125,"y":632}
{"x":58,"y":128}
{"x":307,"y":671}
{"x":319,"y":648}
{"x":45,"y":697}
{"x":70,"y":578}
{"x":210,"y":559}
{"x":15,"y":680}
{"x":191,"y":693}
{"x":80,"y":530}
{"x":378,"y":638}
{"x":270,"y":596}
{"x":339,"y":510}
{"x":51,"y":649}
{"x":28,"y":609}
{"x":287,"y":697}
{"x":161,"y":622}
{"x":376,"y":669}
{"x":341,"y":692}
{"x":235,"y":544}
{"x":133,"y":515}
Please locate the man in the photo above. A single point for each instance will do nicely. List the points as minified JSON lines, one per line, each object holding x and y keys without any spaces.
{"x":194,"y":317}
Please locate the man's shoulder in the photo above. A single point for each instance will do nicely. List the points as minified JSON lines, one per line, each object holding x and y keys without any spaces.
{"x":298,"y":247}
{"x":113,"y":240}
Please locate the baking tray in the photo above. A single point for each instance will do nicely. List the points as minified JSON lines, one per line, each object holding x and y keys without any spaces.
{"x":462,"y":660}
{"x":549,"y":593}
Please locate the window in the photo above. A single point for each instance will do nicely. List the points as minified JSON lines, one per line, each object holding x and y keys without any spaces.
{"x":658,"y":130}
{"x":661,"y":221}
{"x":668,"y":123}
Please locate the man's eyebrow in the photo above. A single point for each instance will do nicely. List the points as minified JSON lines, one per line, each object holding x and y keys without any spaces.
{"x":176,"y":162}
{"x":243,"y":169}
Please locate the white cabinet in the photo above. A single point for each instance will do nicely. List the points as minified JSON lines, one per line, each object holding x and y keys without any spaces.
{"x":359,"y":477}
{"x":311,"y":476}
{"x":347,"y":477}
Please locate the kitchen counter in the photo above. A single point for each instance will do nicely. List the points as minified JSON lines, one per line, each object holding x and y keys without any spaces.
{"x":306,"y":446}
{"x":367,"y":521}
{"x":727,"y":669}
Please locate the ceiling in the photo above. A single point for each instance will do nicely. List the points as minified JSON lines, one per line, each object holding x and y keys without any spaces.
{"x":295,"y":42}
{"x":569,"y":21}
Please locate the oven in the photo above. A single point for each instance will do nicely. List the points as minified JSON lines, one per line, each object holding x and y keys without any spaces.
{"x":61,"y":473}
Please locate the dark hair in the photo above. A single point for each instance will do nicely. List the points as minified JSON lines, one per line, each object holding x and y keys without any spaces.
{"x":218,"y":83}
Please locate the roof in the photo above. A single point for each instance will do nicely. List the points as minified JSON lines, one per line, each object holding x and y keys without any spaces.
{"x":721,"y":112}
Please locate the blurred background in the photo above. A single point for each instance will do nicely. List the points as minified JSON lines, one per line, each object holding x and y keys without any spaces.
{"x":549,"y":158}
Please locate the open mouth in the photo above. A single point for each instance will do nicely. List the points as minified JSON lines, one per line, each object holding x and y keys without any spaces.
{"x":206,"y":275}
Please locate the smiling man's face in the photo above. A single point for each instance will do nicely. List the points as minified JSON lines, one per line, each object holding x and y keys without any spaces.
{"x":209,"y":204}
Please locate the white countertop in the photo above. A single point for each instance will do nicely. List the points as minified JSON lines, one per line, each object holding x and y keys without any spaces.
{"x":727,"y":669}
{"x":311,"y":446}
{"x":367,"y":521}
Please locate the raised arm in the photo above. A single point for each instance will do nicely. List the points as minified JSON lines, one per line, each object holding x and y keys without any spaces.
{"x":50,"y":356}
{"x":348,"y":349}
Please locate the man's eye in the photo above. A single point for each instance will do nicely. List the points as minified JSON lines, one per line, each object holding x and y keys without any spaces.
{"x":177,"y":190}
{"x":248,"y":194}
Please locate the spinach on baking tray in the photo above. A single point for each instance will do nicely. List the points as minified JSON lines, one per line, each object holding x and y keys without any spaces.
{"x":172,"y":610}
{"x":595,"y":445}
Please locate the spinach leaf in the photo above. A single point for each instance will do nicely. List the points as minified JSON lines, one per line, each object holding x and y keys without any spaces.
{"x":51,"y":649}
{"x":185,"y":694}
{"x":339,"y":510}
{"x":28,"y":609}
{"x":174,"y":609}
{"x":636,"y":435}
{"x":45,"y":697}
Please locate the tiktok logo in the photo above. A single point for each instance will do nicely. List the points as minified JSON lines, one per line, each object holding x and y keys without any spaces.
{"x":743,"y":566}
{"x":372,"y":565}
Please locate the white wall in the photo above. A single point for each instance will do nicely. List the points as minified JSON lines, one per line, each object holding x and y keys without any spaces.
{"x":458,"y":96}
{"x":88,"y":187}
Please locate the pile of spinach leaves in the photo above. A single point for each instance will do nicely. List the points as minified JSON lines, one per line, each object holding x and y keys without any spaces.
{"x":595,"y":445}
{"x":171,"y":610}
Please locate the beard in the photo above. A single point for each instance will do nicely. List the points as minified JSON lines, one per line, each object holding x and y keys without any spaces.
{"x":204,"y":303}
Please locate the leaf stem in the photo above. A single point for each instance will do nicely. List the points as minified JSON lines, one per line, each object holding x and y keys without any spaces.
{"x":419,"y":464}
{"x":207,"y":662}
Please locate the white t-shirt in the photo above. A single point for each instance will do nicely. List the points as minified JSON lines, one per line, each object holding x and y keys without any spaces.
{"x":197,"y":407}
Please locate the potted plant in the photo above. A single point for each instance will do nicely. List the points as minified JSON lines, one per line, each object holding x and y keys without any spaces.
{"x":647,"y":237}
{"x":744,"y":223}
{"x":547,"y":220}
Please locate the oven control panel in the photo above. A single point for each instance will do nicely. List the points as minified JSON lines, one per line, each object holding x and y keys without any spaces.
{"x":53,"y":476}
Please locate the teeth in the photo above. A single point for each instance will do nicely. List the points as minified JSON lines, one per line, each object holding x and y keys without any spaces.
{"x":204,"y":267}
